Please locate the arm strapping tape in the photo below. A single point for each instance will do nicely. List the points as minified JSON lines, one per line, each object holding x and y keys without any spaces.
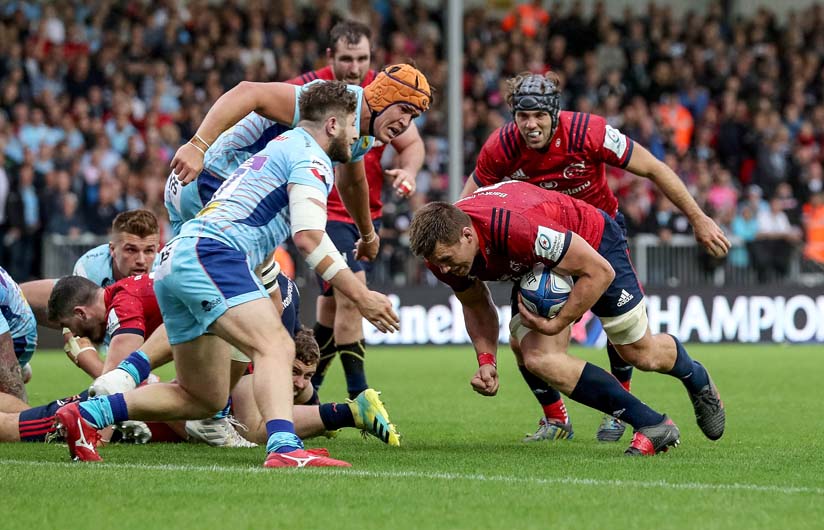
{"x":269,"y":275}
{"x":326,"y":248}
{"x":304,"y":211}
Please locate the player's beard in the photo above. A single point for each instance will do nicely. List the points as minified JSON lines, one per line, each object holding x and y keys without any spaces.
{"x":339,"y":150}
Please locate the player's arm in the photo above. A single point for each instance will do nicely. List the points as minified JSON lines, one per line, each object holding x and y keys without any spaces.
{"x":275,"y":101}
{"x":470,"y":186}
{"x":593,"y":275}
{"x":354,"y":193}
{"x":410,"y":149}
{"x":11,"y":378}
{"x":481,"y":319}
{"x":307,"y":210}
{"x":121,"y":345}
{"x":37,"y":293}
{"x":707,"y":232}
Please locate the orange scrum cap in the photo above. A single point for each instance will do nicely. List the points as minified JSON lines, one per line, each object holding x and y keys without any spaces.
{"x":398,"y":83}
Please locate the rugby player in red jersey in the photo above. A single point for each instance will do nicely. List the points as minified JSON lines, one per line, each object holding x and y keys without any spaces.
{"x":339,"y":327}
{"x":499,"y":233}
{"x":568,"y":152}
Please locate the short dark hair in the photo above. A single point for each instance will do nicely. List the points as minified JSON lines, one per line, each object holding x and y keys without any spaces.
{"x":350,"y":32}
{"x":320,"y":100}
{"x":436,"y":222}
{"x":306,"y":347}
{"x":141,"y":223}
{"x":68,"y":293}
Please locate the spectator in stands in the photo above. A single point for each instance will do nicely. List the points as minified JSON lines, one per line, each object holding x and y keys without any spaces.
{"x":774,"y":242}
{"x":120,"y":89}
{"x":814,"y":229}
{"x":68,"y":221}
{"x":745,"y":228}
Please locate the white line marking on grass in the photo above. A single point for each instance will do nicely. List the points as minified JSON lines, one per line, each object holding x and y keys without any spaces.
{"x":652,"y":484}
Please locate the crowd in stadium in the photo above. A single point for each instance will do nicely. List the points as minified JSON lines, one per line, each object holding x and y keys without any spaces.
{"x":96,"y":97}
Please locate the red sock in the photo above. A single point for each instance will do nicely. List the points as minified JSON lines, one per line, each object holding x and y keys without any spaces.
{"x":626,"y":384}
{"x":556,"y":411}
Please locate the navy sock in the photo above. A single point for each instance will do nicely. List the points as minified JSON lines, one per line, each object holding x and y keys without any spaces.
{"x":137,"y":365}
{"x":545,"y":394}
{"x":599,"y":390}
{"x":282,"y":437}
{"x":336,"y":416}
{"x":352,"y":357}
{"x":621,"y":369}
{"x":691,"y":373}
{"x":326,"y":342}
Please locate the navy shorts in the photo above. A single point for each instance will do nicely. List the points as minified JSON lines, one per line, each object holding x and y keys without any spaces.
{"x":37,"y":422}
{"x":625,"y":292}
{"x":344,"y":236}
{"x":290,"y":297}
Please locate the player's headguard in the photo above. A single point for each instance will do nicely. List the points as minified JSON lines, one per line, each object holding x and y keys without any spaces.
{"x":397,"y":83}
{"x":536,"y":92}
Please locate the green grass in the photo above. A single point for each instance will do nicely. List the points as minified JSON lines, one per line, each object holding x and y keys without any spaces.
{"x":462,"y":464}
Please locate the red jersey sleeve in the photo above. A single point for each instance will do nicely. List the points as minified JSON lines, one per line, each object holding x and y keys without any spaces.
{"x":125,"y":315}
{"x":496,"y":158}
{"x":537,"y":238}
{"x":608,"y":144}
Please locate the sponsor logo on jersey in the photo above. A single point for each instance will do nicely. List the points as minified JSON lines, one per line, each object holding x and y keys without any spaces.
{"x":548,"y":184}
{"x":576,"y":170}
{"x":549,"y":243}
{"x":112,"y":323}
{"x":615,"y":141}
{"x":576,"y":189}
{"x":519,"y":175}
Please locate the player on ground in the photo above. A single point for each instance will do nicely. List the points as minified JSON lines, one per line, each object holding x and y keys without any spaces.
{"x":568,"y":152}
{"x":18,"y":336}
{"x":134,"y":242}
{"x":339,"y":327}
{"x":205,"y":282}
{"x":499,"y":233}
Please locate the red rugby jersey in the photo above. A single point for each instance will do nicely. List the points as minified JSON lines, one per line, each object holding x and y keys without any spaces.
{"x":573,"y":163}
{"x":131,"y":307}
{"x":518,"y":226}
{"x":335,"y":210}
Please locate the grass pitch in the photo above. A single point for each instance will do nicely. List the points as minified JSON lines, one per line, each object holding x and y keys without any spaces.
{"x":461,"y":464}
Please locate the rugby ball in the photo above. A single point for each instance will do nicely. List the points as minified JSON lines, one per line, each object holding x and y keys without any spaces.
{"x":544,"y":292}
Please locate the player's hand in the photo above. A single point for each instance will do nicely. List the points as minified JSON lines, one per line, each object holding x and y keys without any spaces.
{"x":485,"y":381}
{"x":368,"y":251}
{"x":403,"y":182}
{"x":547,"y":326}
{"x":711,"y":237}
{"x":377,"y":309}
{"x":116,"y":381}
{"x":187,"y":163}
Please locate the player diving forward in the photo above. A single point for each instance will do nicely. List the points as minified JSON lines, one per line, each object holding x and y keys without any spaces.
{"x":204,"y":282}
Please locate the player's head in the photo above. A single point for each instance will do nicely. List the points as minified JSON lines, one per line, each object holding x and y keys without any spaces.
{"x":399,"y":94}
{"x":77,"y":303}
{"x":443,"y":235}
{"x":535,"y":102}
{"x":307,"y":355}
{"x":134,"y":243}
{"x":350,"y":51}
{"x":329,"y":109}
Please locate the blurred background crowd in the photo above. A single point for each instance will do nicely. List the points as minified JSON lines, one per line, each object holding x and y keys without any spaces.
{"x":96,"y":96}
